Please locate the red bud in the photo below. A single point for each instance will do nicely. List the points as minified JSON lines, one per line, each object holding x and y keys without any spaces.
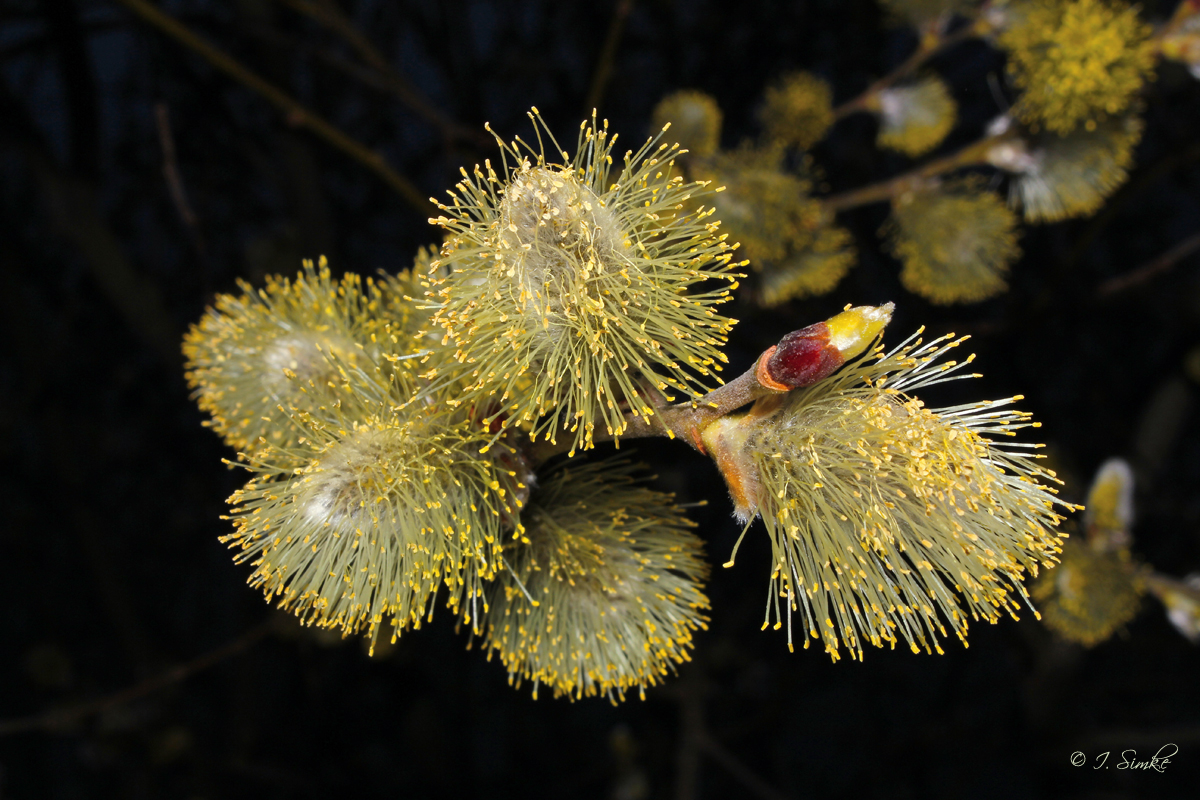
{"x":801,"y":358}
{"x":810,"y":354}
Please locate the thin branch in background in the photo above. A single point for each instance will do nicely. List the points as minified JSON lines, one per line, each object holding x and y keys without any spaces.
{"x":387,"y":83}
{"x":930,"y":45}
{"x":735,"y":767}
{"x":695,"y":740}
{"x":171,"y":175}
{"x":608,"y":54}
{"x":1151,"y":269}
{"x":61,"y":717}
{"x":1142,"y":180}
{"x":73,"y":208}
{"x":971,"y":155}
{"x":295,"y":112}
{"x":1161,"y":585}
{"x":382,"y":75}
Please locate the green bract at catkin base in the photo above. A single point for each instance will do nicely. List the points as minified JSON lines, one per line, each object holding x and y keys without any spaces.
{"x":567,"y":295}
{"x":392,"y":501}
{"x":254,"y":356}
{"x":887,"y":518}
{"x":604,"y":590}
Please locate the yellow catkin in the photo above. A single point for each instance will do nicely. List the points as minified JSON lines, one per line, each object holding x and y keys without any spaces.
{"x":695,"y":120}
{"x":1058,"y":177}
{"x":603,"y":591}
{"x":766,"y":209}
{"x":1091,"y":595}
{"x":1181,"y":603}
{"x":1076,"y":62}
{"x":1109,"y":504}
{"x":1180,"y":40}
{"x":956,"y":242}
{"x":392,"y":500}
{"x":914,"y":119}
{"x":813,"y":270}
{"x":889,"y":522}
{"x":797,"y":110}
{"x":563,"y":287}
{"x":255,"y":356}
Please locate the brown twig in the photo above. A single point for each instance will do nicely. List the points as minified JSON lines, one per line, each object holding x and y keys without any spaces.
{"x":735,"y":767}
{"x":389,"y":83}
{"x":59,"y":717}
{"x":972,"y":155}
{"x":1151,"y":269}
{"x":1161,"y":585}
{"x":608,"y":53}
{"x":171,"y":175}
{"x":296,"y":113}
{"x":683,"y":420}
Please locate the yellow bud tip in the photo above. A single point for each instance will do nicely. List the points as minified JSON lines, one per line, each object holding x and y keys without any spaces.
{"x":853,"y":330}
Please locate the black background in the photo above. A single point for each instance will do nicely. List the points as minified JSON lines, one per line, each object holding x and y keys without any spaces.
{"x":110,"y":570}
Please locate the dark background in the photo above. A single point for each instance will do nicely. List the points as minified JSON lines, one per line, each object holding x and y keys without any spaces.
{"x":110,"y":569}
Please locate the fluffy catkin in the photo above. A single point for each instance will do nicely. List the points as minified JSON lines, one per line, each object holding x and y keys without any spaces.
{"x":571,"y":296}
{"x":604,"y":590}
{"x":888,"y":520}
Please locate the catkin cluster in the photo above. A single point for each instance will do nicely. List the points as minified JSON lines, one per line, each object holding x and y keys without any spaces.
{"x":401,"y":433}
{"x":1064,"y":143}
{"x":764,"y":203}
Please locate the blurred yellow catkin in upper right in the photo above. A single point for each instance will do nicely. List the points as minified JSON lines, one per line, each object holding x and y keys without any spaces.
{"x":1077,"y":62}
